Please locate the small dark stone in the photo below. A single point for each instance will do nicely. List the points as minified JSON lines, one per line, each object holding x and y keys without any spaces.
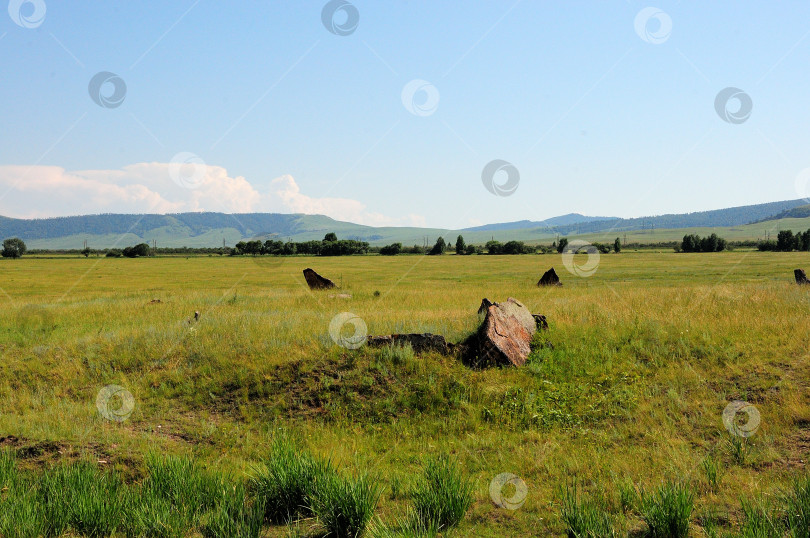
{"x":549,"y":278}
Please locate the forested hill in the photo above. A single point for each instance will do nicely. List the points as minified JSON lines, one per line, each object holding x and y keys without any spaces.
{"x":214,"y":229}
{"x":718,"y":218}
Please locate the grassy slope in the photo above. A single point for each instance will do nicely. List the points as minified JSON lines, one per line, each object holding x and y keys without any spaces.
{"x":647,"y":353}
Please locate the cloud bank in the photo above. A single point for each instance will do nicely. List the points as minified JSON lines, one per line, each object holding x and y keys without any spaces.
{"x":49,"y":191}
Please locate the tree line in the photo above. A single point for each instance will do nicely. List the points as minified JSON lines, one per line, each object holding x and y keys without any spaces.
{"x":786,"y":241}
{"x":695,"y":243}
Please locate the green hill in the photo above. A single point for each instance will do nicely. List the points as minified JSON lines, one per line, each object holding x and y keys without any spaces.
{"x":214,"y":229}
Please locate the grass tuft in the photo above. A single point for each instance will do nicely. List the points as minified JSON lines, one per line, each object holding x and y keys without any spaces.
{"x":284,"y":484}
{"x":584,"y":519}
{"x":345,"y":506}
{"x":443,"y":495}
{"x":667,"y":511}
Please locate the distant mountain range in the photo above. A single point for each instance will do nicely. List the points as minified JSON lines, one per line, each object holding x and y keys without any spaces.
{"x":214,"y":229}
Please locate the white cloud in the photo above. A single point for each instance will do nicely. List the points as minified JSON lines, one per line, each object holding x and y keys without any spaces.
{"x":48,"y":191}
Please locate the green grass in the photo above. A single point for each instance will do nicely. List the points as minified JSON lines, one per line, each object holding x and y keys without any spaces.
{"x":286,"y":481}
{"x":643,"y":358}
{"x":668,"y":511}
{"x":344,"y":506}
{"x":584,"y":518}
{"x":442,"y":496}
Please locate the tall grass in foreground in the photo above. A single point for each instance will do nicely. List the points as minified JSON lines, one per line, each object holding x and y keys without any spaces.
{"x":584,"y":519}
{"x":345,"y":506}
{"x":442,"y":496}
{"x":667,"y":511}
{"x":285,"y":481}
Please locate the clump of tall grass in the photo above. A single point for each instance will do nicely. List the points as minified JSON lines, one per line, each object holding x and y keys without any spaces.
{"x":628,"y":496}
{"x":183,"y":483}
{"x":345,"y":506}
{"x":442,"y":496}
{"x":285,"y":482}
{"x":234,"y":516}
{"x":796,"y":503}
{"x":668,"y":510}
{"x":737,"y":448}
{"x":711,"y":469}
{"x":584,"y":519}
{"x":760,"y":520}
{"x":78,"y":496}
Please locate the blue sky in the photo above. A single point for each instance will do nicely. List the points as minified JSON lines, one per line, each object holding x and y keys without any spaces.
{"x":283,"y":115}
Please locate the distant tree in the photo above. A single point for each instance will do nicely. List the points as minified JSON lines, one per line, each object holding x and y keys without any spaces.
{"x":470,"y":249}
{"x":461,"y":248}
{"x":13,"y":248}
{"x":786,"y":241}
{"x":694,"y":243}
{"x":494,"y":247}
{"x":617,"y":246}
{"x":561,"y":245}
{"x":331,"y":236}
{"x":139,"y":250}
{"x":601,"y":247}
{"x":391,"y":250}
{"x":86,"y":251}
{"x":804,"y":241}
{"x":439,"y":247}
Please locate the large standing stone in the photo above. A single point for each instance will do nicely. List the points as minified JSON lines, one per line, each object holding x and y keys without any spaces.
{"x":505,"y":336}
{"x":549,"y":278}
{"x":316,"y":281}
{"x":801,"y":277}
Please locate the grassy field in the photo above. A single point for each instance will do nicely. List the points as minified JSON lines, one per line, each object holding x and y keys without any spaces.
{"x":625,"y":392}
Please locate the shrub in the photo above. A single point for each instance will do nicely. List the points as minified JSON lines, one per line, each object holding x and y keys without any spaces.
{"x":668,"y":510}
{"x":443,"y":495}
